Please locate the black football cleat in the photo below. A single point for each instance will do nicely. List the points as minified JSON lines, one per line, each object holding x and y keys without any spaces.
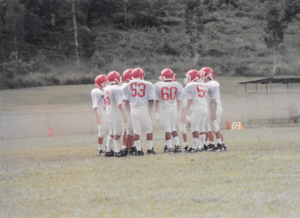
{"x":109,"y":154}
{"x":126,"y":150}
{"x":151,"y":151}
{"x":186,"y":148}
{"x":191,"y":150}
{"x":170,"y":151}
{"x":224,"y":147}
{"x":210,"y":147}
{"x":177,"y":149}
{"x":132,"y":151}
{"x":165,"y":149}
{"x":101,"y":153}
{"x":205,"y":147}
{"x":120,"y":154}
{"x":199,"y":150}
{"x":140,"y":153}
{"x":218,"y":148}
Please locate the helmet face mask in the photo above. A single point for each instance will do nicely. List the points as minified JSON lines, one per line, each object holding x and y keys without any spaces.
{"x":101,"y":81}
{"x":192,"y":76}
{"x":167,"y":75}
{"x":208,"y":73}
{"x":114,"y":78}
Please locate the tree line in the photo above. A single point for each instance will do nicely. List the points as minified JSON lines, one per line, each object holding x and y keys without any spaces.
{"x":35,"y":34}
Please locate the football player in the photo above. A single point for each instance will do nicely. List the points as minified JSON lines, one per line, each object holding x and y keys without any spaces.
{"x":114,"y":112}
{"x":128,"y":139}
{"x":99,"y":111}
{"x":167,"y":93}
{"x":196,"y":94}
{"x":139,"y":95}
{"x":216,"y":108}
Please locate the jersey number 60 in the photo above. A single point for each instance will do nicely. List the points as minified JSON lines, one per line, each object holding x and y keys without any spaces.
{"x":168,"y":93}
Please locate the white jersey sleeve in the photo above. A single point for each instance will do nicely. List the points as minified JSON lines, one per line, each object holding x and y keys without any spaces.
{"x":213,"y":88}
{"x":97,"y":97}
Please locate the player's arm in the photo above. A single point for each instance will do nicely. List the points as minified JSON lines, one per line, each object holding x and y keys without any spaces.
{"x":98,"y":117}
{"x":157,"y":110}
{"x":150,"y":106}
{"x":123,"y":114}
{"x":127,"y":105}
{"x":213,"y":109}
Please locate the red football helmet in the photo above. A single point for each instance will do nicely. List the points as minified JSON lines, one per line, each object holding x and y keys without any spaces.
{"x":192,"y":76}
{"x":127,"y":75}
{"x":208,"y":72}
{"x":166,"y":74}
{"x":101,"y":81}
{"x":114,"y":78}
{"x":138,"y":73}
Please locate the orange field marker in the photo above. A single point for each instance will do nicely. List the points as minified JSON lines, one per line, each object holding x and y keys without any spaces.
{"x":50,"y":132}
{"x":237,"y":126}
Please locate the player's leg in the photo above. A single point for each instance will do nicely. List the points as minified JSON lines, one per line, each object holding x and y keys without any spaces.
{"x":110,"y":138}
{"x":182,"y":130}
{"x":167,"y":129}
{"x":101,"y":135}
{"x":124,"y":136}
{"x":202,"y":134}
{"x":135,"y":114}
{"x":146,"y":122}
{"x":215,"y":125}
{"x":209,"y":141}
{"x":195,"y":131}
{"x":117,"y":126}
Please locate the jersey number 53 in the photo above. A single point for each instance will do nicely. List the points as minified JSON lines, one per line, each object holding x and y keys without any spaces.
{"x":138,"y":89}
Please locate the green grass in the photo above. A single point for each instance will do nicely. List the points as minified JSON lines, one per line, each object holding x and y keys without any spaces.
{"x":63,"y":177}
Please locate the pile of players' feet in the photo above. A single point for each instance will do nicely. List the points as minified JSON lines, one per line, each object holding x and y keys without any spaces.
{"x":177,"y":149}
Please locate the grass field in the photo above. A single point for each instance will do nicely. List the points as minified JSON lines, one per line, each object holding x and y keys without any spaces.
{"x":62,"y":177}
{"x":259,"y":176}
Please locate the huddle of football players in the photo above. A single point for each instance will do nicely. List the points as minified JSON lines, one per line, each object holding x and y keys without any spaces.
{"x":126,"y":108}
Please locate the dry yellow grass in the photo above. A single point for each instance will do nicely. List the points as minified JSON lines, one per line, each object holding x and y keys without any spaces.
{"x":62,"y":177}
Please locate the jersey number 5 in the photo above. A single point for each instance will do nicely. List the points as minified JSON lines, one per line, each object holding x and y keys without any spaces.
{"x":107,"y":99}
{"x":168,"y":93}
{"x":138,"y":89}
{"x":201,"y":91}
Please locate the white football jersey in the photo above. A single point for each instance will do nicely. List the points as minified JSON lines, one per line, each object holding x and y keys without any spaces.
{"x":198,"y":92}
{"x":113,"y":98}
{"x":98,"y":99}
{"x":139,"y":92}
{"x":168,"y":93}
{"x":213,"y":90}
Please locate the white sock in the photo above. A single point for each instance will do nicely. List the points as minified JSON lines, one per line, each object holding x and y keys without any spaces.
{"x":176,"y":140}
{"x":185,"y":144}
{"x":206,"y":143}
{"x":209,"y":142}
{"x":219,"y":141}
{"x":195,"y":142}
{"x":150,"y":144}
{"x":202,"y":140}
{"x":108,"y":143}
{"x":138,"y":145}
{"x":117,"y":145}
{"x":100,"y":147}
{"x":169,"y":143}
{"x":123,"y":147}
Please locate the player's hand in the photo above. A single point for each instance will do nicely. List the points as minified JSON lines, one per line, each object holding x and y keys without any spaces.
{"x":157,"y":116}
{"x":98,"y":120}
